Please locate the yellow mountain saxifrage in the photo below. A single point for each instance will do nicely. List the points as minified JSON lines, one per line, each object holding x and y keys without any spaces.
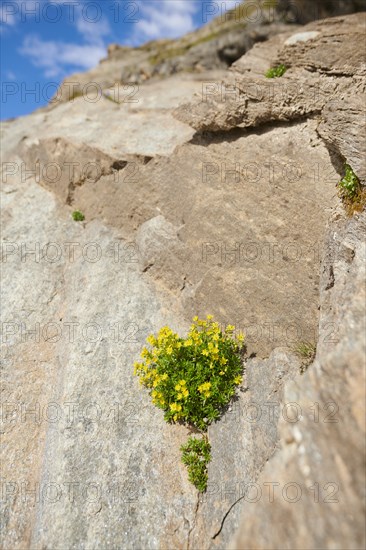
{"x":193,"y":379}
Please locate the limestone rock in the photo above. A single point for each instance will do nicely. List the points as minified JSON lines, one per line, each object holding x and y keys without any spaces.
{"x":321,"y":75}
{"x":215,"y":46}
{"x":320,"y":459}
{"x":303,"y":11}
{"x":242,"y":222}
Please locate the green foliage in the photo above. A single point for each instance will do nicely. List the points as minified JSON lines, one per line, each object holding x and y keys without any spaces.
{"x":192,"y":379}
{"x":196,"y":454}
{"x":352,"y":193}
{"x":78,"y":216}
{"x":349,"y":184}
{"x":276,"y":72}
{"x":306,"y":351}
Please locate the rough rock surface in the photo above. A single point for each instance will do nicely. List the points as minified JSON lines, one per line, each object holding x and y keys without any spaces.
{"x":321,"y":73}
{"x":320,"y":458}
{"x":303,"y":11}
{"x":231,"y":210}
{"x":215,"y":46}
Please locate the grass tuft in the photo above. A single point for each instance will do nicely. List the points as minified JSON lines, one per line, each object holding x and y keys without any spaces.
{"x":276,"y":72}
{"x":351,"y":192}
{"x":78,"y":216}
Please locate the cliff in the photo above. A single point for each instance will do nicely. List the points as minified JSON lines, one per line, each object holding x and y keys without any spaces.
{"x":206,"y":188}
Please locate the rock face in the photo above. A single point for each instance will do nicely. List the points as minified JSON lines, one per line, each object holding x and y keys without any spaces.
{"x":303,"y":11}
{"x":317,"y":474}
{"x":204,"y":192}
{"x":215,"y":46}
{"x":320,"y":75}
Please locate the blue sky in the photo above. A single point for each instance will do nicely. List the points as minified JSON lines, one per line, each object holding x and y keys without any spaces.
{"x":42,"y":41}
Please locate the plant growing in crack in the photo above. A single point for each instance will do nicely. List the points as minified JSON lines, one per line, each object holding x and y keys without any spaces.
{"x":192,"y":380}
{"x":306,"y":351}
{"x":276,"y":72}
{"x":352,"y":193}
{"x":77,"y":216}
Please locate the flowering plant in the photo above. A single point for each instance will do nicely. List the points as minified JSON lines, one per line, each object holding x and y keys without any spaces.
{"x":192,"y":379}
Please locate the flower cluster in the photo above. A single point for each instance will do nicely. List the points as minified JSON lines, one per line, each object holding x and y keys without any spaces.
{"x":192,"y":378}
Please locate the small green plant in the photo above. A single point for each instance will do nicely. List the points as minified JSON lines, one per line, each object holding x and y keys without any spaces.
{"x":306,"y":351}
{"x":192,"y":379}
{"x":349,"y":184}
{"x":196,"y":454}
{"x":352,"y":193}
{"x":276,"y":72}
{"x":78,"y":216}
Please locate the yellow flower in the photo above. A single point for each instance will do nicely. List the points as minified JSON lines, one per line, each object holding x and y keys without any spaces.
{"x":169,"y":350}
{"x":188,"y":343}
{"x":177,"y":387}
{"x":179,"y":396}
{"x":221,"y":373}
{"x":204,"y":387}
{"x":209,"y":317}
{"x":238,"y":379}
{"x":204,"y":352}
{"x":230,"y":328}
{"x":223,"y":360}
{"x":195,"y":318}
{"x":164,"y":376}
{"x":151,"y":340}
{"x":182,"y":382}
{"x":136,"y":367}
{"x":185,"y":393}
{"x":175,"y":407}
{"x":240,"y":337}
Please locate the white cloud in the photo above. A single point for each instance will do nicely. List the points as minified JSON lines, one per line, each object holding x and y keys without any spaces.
{"x":53,"y":57}
{"x":92,"y":32}
{"x":57,"y":58}
{"x":164,"y":19}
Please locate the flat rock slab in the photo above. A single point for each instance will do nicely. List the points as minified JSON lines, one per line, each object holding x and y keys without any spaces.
{"x":98,"y":476}
{"x":142,"y":124}
{"x":249,"y":215}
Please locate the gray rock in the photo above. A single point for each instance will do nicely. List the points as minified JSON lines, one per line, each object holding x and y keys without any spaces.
{"x":320,"y":458}
{"x":243,"y":223}
{"x":303,"y":11}
{"x":319,"y":79}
